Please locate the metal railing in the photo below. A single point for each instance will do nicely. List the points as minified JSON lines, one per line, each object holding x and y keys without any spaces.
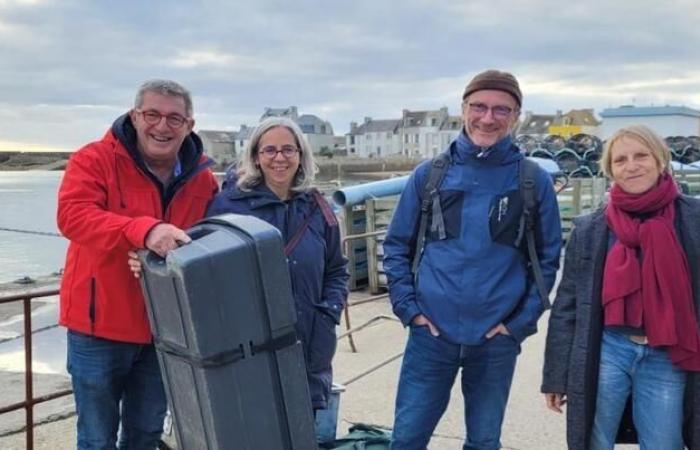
{"x":345,"y":243}
{"x":29,"y":400}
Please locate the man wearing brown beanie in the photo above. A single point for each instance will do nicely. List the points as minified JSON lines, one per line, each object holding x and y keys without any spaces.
{"x":468,"y":297}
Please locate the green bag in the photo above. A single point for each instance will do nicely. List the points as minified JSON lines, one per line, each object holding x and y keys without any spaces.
{"x":361,"y":437}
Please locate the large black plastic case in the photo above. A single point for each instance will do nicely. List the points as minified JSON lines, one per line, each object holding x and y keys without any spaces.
{"x":222,"y":315}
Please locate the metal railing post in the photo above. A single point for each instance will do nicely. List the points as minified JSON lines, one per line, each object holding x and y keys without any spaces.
{"x":28,"y":374}
{"x":29,"y":400}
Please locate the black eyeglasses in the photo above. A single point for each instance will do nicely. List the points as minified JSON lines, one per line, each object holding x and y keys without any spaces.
{"x":288,"y":151}
{"x":153,"y":117}
{"x":500,"y":111}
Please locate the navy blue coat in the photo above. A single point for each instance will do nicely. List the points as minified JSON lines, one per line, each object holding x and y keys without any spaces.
{"x":317,"y":267}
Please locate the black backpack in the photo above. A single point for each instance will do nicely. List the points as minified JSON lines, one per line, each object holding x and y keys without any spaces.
{"x":430,"y":203}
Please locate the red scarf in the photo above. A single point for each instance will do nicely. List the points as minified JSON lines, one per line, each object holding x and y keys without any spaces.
{"x":656,"y":293}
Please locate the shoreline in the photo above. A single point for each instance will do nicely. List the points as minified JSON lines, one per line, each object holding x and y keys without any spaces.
{"x":338,"y":165}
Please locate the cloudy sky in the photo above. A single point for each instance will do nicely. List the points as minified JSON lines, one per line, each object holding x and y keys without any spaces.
{"x":69,"y":67}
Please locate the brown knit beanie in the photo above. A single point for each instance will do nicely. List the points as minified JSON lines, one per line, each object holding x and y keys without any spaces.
{"x":496,"y":80}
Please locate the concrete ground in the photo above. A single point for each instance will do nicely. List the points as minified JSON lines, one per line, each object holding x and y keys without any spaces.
{"x":370,"y":399}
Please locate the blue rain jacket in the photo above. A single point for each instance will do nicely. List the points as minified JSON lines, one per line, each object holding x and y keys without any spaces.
{"x":475,"y":278}
{"x":317,"y":267}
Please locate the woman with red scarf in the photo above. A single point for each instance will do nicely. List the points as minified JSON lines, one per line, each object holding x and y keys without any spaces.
{"x":623,"y":333}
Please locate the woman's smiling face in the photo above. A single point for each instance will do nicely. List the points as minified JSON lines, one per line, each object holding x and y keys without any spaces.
{"x":278,"y":157}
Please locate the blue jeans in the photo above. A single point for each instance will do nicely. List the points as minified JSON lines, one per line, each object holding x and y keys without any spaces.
{"x":106,"y":373}
{"x":428,"y":372}
{"x":656,"y":386}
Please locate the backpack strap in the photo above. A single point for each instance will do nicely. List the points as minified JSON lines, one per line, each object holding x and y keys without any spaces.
{"x":527,"y":174}
{"x":430,"y":202}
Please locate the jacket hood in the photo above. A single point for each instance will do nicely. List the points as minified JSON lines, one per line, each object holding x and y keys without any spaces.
{"x":501,"y":153}
{"x":190,"y":152}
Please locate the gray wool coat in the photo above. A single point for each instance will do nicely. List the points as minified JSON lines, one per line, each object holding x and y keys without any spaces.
{"x":572,"y":352}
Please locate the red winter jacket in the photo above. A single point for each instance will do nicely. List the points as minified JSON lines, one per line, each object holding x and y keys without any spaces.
{"x":107,"y":204}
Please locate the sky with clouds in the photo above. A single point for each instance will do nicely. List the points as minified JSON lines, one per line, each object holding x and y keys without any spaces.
{"x":68,"y":68}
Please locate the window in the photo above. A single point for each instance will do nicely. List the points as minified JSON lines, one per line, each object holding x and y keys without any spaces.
{"x":433,"y":121}
{"x":352,"y":140}
{"x":307,"y":129}
{"x":323,"y":129}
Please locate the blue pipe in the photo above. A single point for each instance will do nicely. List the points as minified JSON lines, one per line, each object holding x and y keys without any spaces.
{"x":353,"y":195}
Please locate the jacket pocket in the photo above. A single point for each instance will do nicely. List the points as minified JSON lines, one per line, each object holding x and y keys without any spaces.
{"x":504,"y":218}
{"x":323,"y":342}
{"x":451,"y":202}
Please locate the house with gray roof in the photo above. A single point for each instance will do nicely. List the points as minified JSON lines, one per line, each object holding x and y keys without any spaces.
{"x":219,"y":145}
{"x":290,"y":112}
{"x":420,"y":132}
{"x":318,"y":132}
{"x":243,"y":137}
{"x":373,"y":138}
{"x":449,"y":130}
{"x":535,"y":125}
{"x":665,"y":120}
{"x":416,"y":133}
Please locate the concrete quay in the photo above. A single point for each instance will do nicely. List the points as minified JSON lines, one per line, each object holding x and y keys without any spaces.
{"x":369,"y":399}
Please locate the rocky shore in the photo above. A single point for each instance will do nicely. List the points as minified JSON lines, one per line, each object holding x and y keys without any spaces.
{"x":33,"y":160}
{"x":329,"y":168}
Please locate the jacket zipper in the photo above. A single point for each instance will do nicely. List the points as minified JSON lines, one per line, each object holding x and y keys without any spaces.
{"x":168,"y":195}
{"x":92,"y":305}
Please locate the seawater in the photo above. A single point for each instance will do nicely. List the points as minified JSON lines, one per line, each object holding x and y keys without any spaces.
{"x":28,"y":202}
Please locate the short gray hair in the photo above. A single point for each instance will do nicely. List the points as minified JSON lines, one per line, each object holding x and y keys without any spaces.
{"x":165,"y":87}
{"x":249,"y":173}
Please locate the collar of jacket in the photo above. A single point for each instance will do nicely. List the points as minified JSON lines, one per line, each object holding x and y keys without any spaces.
{"x":189,"y":155}
{"x":260,"y":196}
{"x":502,"y":152}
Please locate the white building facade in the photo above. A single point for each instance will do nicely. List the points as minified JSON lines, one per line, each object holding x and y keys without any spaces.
{"x":373,"y":138}
{"x":416,"y":133}
{"x":664,"y":120}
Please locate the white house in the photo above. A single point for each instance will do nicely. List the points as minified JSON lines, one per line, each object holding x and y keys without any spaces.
{"x":373,"y":138}
{"x":243,"y":137}
{"x":420,"y":132}
{"x":416,"y":133}
{"x":665,"y":120}
{"x":449,"y":130}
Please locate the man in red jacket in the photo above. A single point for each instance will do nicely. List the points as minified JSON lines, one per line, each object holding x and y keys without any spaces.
{"x":138,"y":187}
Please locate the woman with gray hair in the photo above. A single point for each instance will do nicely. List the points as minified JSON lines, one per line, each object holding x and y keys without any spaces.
{"x":624,"y":325}
{"x":273,"y":182}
